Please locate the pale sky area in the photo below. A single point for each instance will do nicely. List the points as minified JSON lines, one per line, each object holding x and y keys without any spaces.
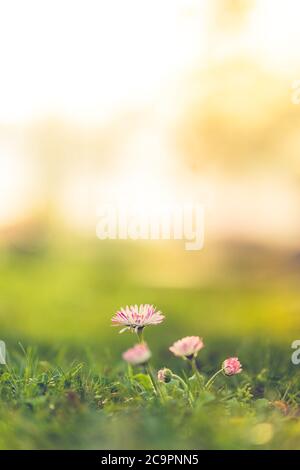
{"x":87,"y":61}
{"x":89,"y":58}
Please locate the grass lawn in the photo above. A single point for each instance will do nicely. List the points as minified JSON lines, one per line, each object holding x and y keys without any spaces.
{"x":66,"y":386}
{"x":55,"y":404}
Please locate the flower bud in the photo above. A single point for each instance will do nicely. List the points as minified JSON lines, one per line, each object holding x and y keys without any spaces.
{"x":232,"y":366}
{"x":164,"y":375}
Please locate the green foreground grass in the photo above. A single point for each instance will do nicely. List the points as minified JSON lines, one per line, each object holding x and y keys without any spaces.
{"x":48,"y":403}
{"x":66,"y":387}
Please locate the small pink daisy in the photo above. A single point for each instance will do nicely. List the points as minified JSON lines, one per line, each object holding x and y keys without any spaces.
{"x":232,"y":366}
{"x":164,"y":375}
{"x":136,"y":318}
{"x":187,"y":347}
{"x":139,"y":354}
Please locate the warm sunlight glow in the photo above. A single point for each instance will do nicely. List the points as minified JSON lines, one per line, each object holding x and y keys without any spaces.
{"x":140,"y":181}
{"x":146,"y":103}
{"x":275,"y":33}
{"x":15,"y":188}
{"x":90,"y":58}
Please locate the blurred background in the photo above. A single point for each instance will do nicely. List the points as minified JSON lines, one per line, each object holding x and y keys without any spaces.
{"x":168,"y":100}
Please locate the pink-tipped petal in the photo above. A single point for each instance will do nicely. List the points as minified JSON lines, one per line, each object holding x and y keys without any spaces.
{"x":232,"y":366}
{"x":135,"y":317}
{"x":139,"y":354}
{"x":187,"y":347}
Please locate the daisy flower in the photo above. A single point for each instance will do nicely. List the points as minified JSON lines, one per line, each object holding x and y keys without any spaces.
{"x":164,"y":375}
{"x":232,"y":366}
{"x":187,"y":347}
{"x":139,"y":354}
{"x":136,"y":317}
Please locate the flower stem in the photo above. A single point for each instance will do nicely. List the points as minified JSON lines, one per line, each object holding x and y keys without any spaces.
{"x":129,"y":372}
{"x":185,"y":387}
{"x":212,"y":379}
{"x":182,"y":382}
{"x":196,"y":371}
{"x":152,"y":378}
{"x":140,"y":334}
